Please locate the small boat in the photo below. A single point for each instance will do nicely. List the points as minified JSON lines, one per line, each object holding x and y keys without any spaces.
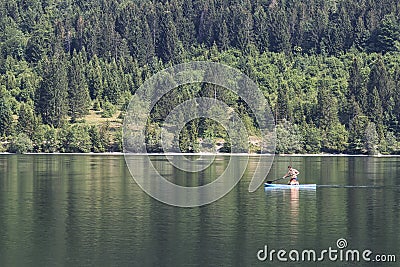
{"x":305,"y":186}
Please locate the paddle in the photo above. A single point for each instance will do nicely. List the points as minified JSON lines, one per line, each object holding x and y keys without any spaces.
{"x":270,"y":182}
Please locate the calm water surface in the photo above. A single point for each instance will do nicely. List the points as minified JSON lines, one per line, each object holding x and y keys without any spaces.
{"x":85,"y":210}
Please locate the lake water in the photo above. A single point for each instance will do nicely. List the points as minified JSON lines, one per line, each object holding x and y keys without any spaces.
{"x":86,"y":210}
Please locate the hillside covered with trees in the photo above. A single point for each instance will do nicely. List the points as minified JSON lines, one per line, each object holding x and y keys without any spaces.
{"x":329,"y":69}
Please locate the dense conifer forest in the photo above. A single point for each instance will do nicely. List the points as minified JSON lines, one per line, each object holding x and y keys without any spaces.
{"x":330,"y":70}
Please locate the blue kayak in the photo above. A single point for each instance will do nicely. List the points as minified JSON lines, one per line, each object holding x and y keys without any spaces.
{"x":306,"y":186}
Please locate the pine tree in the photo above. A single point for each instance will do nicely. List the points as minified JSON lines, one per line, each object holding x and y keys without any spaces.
{"x":152,"y":19}
{"x":112,"y":83}
{"x":327,"y":107}
{"x":357,"y":123}
{"x":147,"y":47}
{"x":335,"y":36}
{"x":78,"y":90}
{"x":28,"y":84}
{"x":380,"y":80}
{"x":361,"y":33}
{"x":95,"y":78}
{"x":371,"y":139}
{"x":132,"y":25}
{"x":289,"y":139}
{"x":375,"y":111}
{"x":13,"y":40}
{"x":40,"y":42}
{"x":357,"y":90}
{"x":223,"y":36}
{"x":282,"y":105}
{"x":52,"y":95}
{"x":345,"y":24}
{"x":260,"y":29}
{"x":386,"y":36}
{"x":27,"y":120}
{"x":170,"y":47}
{"x":182,"y":14}
{"x":278,"y":30}
{"x":5,"y":114}
{"x":207,"y":22}
{"x":396,"y":94}
{"x":335,"y":138}
{"x":244,"y":27}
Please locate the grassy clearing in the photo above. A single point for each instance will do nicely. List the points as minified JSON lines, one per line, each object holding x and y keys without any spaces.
{"x":95,"y":118}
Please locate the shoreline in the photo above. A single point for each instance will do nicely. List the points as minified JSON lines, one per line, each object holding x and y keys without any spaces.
{"x":205,"y":154}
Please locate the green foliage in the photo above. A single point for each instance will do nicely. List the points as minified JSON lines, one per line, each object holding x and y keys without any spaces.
{"x":14,"y":41}
{"x":40,"y":40}
{"x":319,"y":72}
{"x":172,"y":48}
{"x":282,"y":109}
{"x":357,"y":126}
{"x":27,"y":120}
{"x":78,"y":90}
{"x":3,"y":147}
{"x":357,"y":90}
{"x":96,"y":105}
{"x":5,"y":114}
{"x":125,"y":99}
{"x":21,"y":144}
{"x":289,"y":138}
{"x":371,"y":139}
{"x":375,"y":107}
{"x":117,"y":144}
{"x":335,"y":138}
{"x":99,"y":138}
{"x":312,"y":139}
{"x":76,"y":139}
{"x":380,"y":88}
{"x":327,"y":106}
{"x":153,"y":138}
{"x":392,"y":144}
{"x":112,"y":83}
{"x":97,"y":144}
{"x":52,"y":95}
{"x":188,"y":139}
{"x":46,"y":139}
{"x":108,"y":110}
{"x":95,"y":78}
{"x":386,"y":37}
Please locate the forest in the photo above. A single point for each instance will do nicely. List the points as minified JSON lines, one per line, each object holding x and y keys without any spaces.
{"x":330,"y":70}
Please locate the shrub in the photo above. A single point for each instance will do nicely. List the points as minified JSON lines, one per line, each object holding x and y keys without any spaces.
{"x":76,"y":139}
{"x":21,"y":144}
{"x":98,"y":138}
{"x":96,"y":105}
{"x":108,"y":110}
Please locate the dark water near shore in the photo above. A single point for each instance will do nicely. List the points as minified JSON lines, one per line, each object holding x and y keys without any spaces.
{"x":86,"y":210}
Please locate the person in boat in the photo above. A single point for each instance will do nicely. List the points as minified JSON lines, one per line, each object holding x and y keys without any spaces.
{"x":292,"y":173}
